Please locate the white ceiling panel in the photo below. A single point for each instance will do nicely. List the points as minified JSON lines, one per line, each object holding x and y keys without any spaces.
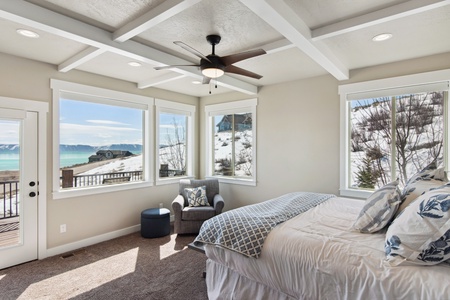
{"x":302,"y":38}
{"x":47,"y":48}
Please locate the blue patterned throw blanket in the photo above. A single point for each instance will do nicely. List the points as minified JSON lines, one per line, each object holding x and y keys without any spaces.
{"x":244,"y":229}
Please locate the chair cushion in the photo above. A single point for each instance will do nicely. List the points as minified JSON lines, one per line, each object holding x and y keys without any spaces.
{"x":197,"y":213}
{"x":196,"y":196}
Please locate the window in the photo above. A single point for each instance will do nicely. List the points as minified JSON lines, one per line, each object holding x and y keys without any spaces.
{"x":391,"y":133}
{"x":231,"y":140}
{"x":100,"y":139}
{"x":175,"y":140}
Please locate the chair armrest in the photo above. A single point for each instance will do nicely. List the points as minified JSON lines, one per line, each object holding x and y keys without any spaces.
{"x":218,"y":204}
{"x":178,"y":204}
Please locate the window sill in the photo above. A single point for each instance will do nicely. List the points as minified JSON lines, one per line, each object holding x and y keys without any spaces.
{"x":172,"y":180}
{"x":233,"y":180}
{"x":354,"y":193}
{"x":63,"y":194}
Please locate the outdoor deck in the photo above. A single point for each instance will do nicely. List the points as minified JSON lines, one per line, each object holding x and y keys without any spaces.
{"x":11,"y":235}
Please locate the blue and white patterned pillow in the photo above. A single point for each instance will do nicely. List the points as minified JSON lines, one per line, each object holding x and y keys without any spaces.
{"x":379,"y":209}
{"x":421,"y":234}
{"x":427,"y":179}
{"x":196,"y":196}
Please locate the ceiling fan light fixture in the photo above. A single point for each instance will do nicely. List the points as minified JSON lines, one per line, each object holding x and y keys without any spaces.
{"x":213,"y":72}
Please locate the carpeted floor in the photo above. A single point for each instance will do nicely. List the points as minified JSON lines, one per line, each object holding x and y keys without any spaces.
{"x":129,"y":267}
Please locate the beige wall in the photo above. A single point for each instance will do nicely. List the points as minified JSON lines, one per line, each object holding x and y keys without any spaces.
{"x":89,"y":216}
{"x":298,"y":132}
{"x":297,"y":147}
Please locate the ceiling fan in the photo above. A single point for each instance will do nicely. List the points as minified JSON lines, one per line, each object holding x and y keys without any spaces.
{"x":214,"y":66}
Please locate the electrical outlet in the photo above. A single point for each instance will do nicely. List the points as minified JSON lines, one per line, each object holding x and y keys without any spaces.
{"x":161,"y":205}
{"x":62,"y":228}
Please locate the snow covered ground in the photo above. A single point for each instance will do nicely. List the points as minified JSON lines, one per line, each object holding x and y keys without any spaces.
{"x":223,"y":144}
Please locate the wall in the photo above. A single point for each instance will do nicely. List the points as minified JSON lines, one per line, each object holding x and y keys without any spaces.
{"x":298,"y":142}
{"x":86,"y":217}
{"x":298,"y":132}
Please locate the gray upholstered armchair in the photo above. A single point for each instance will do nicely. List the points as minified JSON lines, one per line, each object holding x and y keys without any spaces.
{"x":189,"y":219}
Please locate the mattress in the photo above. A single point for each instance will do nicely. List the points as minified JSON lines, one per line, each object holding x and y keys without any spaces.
{"x":316,"y":255}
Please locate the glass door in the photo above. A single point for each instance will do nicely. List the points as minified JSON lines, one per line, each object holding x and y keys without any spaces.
{"x":18,"y":186}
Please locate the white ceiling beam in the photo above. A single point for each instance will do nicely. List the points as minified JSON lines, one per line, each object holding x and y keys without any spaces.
{"x":155,"y":16}
{"x":281,"y":17}
{"x":160,"y":80}
{"x":278,"y":46}
{"x":28,"y":14}
{"x":80,"y":58}
{"x":391,"y":13}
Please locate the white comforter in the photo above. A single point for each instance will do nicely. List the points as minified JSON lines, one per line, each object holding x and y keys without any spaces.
{"x":316,"y":255}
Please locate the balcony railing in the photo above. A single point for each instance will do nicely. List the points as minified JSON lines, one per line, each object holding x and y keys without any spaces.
{"x":9,"y":203}
{"x":68,"y":180}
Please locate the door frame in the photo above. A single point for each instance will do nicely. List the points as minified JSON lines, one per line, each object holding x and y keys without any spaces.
{"x":41,"y":108}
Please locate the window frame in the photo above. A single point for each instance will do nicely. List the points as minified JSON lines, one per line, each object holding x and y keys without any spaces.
{"x":372,"y":89}
{"x":212,"y":110}
{"x":102,"y":96}
{"x":170,"y":107}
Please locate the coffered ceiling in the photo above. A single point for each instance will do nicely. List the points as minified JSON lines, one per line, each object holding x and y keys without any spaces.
{"x":302,"y":38}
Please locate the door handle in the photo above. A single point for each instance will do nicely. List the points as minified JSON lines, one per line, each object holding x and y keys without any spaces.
{"x":32,"y":194}
{"x":32,"y":183}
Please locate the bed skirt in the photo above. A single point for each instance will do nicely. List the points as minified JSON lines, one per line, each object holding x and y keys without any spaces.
{"x":224,"y":283}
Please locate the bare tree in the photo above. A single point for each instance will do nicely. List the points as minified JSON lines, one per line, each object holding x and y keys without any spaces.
{"x":175,"y":152}
{"x":418,"y":133}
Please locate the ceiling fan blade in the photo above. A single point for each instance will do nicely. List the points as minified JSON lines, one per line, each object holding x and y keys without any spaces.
{"x":174,"y":66}
{"x":231,"y":59}
{"x":240,"y":71}
{"x":192,"y":50}
{"x":206,"y":80}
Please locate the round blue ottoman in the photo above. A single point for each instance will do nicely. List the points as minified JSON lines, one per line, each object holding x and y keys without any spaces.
{"x":155,"y":222}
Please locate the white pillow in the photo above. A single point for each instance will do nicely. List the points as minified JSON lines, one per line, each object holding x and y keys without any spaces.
{"x":427,"y":179}
{"x":379,"y":209}
{"x":413,"y":190}
{"x":421,"y":234}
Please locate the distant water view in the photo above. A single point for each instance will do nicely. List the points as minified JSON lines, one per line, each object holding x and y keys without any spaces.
{"x":69,"y":158}
{"x":11,"y":161}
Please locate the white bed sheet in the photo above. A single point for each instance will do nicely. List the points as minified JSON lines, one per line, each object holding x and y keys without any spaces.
{"x":316,"y":255}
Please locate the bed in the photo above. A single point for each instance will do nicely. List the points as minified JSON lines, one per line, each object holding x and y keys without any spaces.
{"x":317,"y":254}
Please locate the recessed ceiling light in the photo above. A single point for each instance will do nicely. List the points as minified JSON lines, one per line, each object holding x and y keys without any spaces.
{"x":382,"y":37}
{"x":134,"y":64}
{"x":27,"y":33}
{"x":196,"y":82}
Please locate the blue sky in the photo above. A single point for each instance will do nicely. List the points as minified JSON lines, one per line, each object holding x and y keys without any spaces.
{"x":99,"y":124}
{"x":9,"y":132}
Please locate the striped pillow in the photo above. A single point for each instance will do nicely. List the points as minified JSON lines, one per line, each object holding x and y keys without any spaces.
{"x":379,"y":209}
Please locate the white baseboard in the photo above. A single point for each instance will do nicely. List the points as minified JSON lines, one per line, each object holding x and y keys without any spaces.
{"x":91,"y":241}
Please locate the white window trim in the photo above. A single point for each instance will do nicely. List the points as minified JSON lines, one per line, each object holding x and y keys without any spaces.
{"x":59,"y":87}
{"x":164,"y":106}
{"x":345,"y":92}
{"x":222,"y":109}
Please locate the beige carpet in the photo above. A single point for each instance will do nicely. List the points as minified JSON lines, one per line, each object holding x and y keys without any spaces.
{"x":129,"y":267}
